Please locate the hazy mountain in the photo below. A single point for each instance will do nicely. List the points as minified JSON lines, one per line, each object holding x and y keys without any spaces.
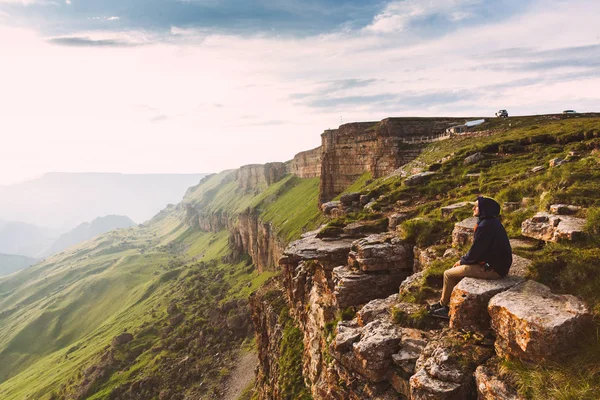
{"x":10,"y":263}
{"x":88,"y":230}
{"x":64,"y":200}
{"x":24,"y":239}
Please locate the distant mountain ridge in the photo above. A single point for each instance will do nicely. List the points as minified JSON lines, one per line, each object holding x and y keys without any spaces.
{"x":24,"y":239}
{"x":64,"y":200}
{"x":88,"y":230}
{"x":10,"y":263}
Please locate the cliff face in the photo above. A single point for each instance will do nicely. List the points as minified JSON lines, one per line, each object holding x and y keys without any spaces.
{"x":257,"y":176}
{"x":306,"y":164}
{"x":376,"y":147}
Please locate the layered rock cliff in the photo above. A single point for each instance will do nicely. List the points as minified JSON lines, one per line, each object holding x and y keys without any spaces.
{"x":375,"y":147}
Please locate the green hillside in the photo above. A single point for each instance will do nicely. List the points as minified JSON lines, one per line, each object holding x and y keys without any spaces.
{"x":57,"y":318}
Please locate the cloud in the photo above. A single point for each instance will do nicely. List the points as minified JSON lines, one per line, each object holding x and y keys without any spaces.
{"x":159,"y":118}
{"x":87,"y":42}
{"x":113,"y":18}
{"x":399,"y":15}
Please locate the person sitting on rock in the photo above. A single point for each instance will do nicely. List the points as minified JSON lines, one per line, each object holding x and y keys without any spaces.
{"x":490,"y":256}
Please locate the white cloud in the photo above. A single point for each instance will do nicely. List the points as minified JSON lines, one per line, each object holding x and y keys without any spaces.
{"x":152,"y":108}
{"x":68,"y":1}
{"x":113,"y":18}
{"x":398,"y":15}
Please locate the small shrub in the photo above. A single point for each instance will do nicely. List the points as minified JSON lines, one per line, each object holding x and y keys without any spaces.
{"x":592,"y":226}
{"x":419,"y":320}
{"x":426,"y":232}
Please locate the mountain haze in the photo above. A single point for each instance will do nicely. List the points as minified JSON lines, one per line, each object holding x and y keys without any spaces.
{"x":10,"y":263}
{"x":65,"y":200}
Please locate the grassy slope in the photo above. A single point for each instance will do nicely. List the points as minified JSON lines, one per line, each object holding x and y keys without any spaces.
{"x":59,"y":315}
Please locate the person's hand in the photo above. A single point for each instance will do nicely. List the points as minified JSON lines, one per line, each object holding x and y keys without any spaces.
{"x":457,"y":264}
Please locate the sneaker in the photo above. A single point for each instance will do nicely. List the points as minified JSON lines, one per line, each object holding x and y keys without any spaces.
{"x":435,"y":306}
{"x":442,"y":312}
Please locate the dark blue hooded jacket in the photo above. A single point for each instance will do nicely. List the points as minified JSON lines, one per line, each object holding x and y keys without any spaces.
{"x":490,"y":242}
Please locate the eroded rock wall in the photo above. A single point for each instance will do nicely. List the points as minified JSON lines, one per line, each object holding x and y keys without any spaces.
{"x":306,"y":164}
{"x":259,"y":176}
{"x":376,"y":147}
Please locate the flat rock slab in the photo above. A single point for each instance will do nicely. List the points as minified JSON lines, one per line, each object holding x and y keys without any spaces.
{"x":532,"y":323}
{"x":446,"y":211}
{"x":491,"y":386}
{"x":364,"y":228}
{"x":553,"y":228}
{"x":470,"y":298}
{"x":520,"y":266}
{"x":418,"y":179}
{"x":564,"y":209}
{"x":354,"y":287}
{"x":525,"y":243}
{"x":330,"y":253}
{"x":375,"y":309}
{"x":463,"y":232}
{"x":381,"y":252}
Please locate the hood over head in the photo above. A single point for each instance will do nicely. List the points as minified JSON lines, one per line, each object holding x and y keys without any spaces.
{"x":488,"y":208}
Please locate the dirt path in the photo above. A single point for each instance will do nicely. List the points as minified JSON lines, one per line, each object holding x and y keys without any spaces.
{"x":241,"y":376}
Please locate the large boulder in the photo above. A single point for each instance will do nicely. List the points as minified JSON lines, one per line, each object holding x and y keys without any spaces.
{"x":520,"y":266}
{"x":462,"y":234}
{"x":553,"y":228}
{"x":470,"y":298}
{"x":364,"y":228}
{"x":353,"y":287}
{"x":491,"y":385}
{"x":329,"y":254}
{"x":394,"y":220}
{"x":532,"y":323}
{"x":376,"y":309}
{"x":349,"y":198}
{"x":564,"y":209}
{"x":445,"y":368}
{"x":381,"y":253}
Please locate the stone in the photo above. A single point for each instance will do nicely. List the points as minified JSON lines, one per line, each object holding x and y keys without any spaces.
{"x":556,"y":162}
{"x":462,"y":235}
{"x":394,"y":220}
{"x":553,"y":228}
{"x":520,"y":266}
{"x":474,"y":175}
{"x":470,"y":298}
{"x":537,"y":169}
{"x":122,"y":339}
{"x":423,"y":258}
{"x":330,"y":254}
{"x":524,"y":243}
{"x":418,"y":179}
{"x":349,"y":198}
{"x":381,"y":253}
{"x":411,"y":347}
{"x":490,"y":384}
{"x":375,"y":309}
{"x":347,"y":333}
{"x":445,"y":367}
{"x":564,"y":209}
{"x":451,"y":253}
{"x":510,"y":206}
{"x":363,"y":228}
{"x":532,"y":323}
{"x":327,"y":208}
{"x":447,"y":211}
{"x":364,"y":200}
{"x":353,"y":287}
{"x":371,"y":356}
{"x":474,"y":158}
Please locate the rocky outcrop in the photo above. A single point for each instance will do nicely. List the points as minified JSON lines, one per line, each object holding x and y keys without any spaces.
{"x":554,"y":228}
{"x":306,"y":164}
{"x":564,"y":209}
{"x":259,"y":176}
{"x":462,"y":235}
{"x":470,"y":298}
{"x":444,"y":369}
{"x":381,"y":252}
{"x":418,"y":179}
{"x":375,"y":147}
{"x":491,"y":385}
{"x":532,"y":323}
{"x":257,"y":239}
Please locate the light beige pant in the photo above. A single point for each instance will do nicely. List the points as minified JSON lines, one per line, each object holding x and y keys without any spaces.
{"x":455,"y":275}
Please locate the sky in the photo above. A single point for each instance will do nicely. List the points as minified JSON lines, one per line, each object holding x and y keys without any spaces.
{"x":182,"y":86}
